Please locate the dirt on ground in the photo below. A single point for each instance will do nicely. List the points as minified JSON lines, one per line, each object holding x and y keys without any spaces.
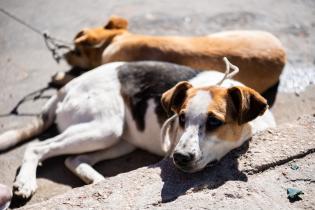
{"x":26,"y":67}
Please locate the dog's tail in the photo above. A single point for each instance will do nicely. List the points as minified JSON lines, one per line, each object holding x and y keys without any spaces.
{"x":43,"y":121}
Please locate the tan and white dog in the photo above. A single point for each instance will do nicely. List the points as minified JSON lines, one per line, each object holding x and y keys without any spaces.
{"x":110,"y":111}
{"x":259,"y":55}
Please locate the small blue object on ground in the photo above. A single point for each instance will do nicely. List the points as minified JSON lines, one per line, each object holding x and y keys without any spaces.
{"x":294,"y":166}
{"x":293,"y":194}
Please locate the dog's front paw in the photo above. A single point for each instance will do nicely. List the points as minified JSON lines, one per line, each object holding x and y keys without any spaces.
{"x":24,"y":188}
{"x":60,"y":79}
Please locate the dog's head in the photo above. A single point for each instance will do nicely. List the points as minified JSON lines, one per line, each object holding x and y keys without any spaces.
{"x":90,"y":43}
{"x":210,"y":121}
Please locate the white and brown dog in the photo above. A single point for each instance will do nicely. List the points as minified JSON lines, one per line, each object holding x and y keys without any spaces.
{"x":259,"y":54}
{"x":110,"y":111}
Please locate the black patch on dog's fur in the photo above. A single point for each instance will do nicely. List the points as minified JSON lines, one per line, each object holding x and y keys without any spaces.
{"x":144,"y":80}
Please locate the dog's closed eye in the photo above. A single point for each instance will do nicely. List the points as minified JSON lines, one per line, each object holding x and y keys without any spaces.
{"x":77,"y":52}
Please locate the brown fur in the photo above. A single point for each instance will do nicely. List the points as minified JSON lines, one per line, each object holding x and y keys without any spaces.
{"x":259,"y":55}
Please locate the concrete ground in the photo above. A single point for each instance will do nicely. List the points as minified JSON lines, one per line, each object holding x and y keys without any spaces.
{"x":26,"y":65}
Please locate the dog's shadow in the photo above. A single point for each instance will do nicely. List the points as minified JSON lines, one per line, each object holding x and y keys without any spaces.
{"x":177,"y":183}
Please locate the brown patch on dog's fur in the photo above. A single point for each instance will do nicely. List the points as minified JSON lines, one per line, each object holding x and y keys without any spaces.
{"x":230,"y":132}
{"x":252,"y":104}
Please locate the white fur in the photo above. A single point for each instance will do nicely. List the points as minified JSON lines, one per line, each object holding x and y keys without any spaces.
{"x":149,"y":139}
{"x":262,"y":123}
{"x":198,"y":106}
{"x":195,"y":118}
{"x":94,"y":96}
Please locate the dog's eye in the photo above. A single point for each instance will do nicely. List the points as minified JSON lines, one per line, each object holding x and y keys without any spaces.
{"x":181,"y":119}
{"x":77,"y":52}
{"x":213,"y":123}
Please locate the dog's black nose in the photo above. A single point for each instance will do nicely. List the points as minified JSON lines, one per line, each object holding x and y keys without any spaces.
{"x":183,"y":158}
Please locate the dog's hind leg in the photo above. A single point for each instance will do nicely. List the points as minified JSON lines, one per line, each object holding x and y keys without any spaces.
{"x":81,"y":165}
{"x":79,"y":138}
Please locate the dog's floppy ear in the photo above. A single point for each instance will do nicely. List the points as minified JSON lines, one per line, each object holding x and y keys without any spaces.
{"x":89,"y":38}
{"x":81,"y":37}
{"x":84,"y":38}
{"x":116,"y":22}
{"x":173,"y":98}
{"x":248,"y":104}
